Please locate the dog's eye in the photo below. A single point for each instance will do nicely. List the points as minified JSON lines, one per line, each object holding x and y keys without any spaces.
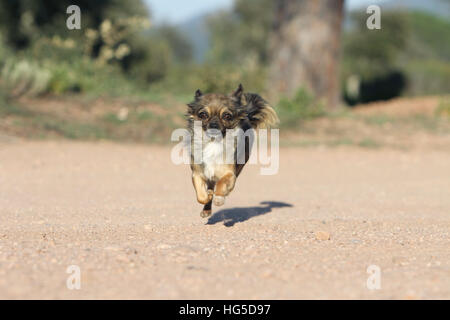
{"x":203,"y":115}
{"x":226,"y":116}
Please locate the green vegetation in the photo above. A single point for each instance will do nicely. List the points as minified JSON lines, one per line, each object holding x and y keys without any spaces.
{"x":116,"y":52}
{"x":248,"y":26}
{"x":301,"y":107}
{"x":147,"y":71}
{"x":408,"y":56}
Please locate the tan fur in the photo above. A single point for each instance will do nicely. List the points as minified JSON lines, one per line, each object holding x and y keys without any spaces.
{"x":268,"y":118}
{"x":212,"y":179}
{"x":201,"y":189}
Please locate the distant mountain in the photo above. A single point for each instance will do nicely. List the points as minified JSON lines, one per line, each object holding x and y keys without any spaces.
{"x":196,"y":31}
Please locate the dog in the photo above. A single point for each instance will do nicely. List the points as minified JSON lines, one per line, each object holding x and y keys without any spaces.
{"x":213,"y":177}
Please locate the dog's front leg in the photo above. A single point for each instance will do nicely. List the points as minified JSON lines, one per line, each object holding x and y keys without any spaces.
{"x":223,"y":187}
{"x":201,"y":189}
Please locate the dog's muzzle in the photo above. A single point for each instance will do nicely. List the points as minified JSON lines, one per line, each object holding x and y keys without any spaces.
{"x":213,"y":129}
{"x":213,"y":125}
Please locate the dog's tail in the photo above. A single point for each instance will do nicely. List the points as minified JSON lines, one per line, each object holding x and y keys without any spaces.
{"x":259,"y":112}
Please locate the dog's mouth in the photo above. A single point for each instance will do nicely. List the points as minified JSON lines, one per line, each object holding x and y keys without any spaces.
{"x":214,"y":133}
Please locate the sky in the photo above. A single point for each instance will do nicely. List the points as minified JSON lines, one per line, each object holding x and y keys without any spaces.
{"x":178,"y":11}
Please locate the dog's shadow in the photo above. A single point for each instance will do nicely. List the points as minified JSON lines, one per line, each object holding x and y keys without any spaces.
{"x":234,"y":215}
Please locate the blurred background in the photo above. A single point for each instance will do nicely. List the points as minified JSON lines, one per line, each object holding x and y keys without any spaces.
{"x":129,"y":71}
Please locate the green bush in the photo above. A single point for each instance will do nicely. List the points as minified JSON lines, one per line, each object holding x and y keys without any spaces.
{"x":185,"y":79}
{"x":113,"y":43}
{"x":374,"y":53}
{"x":428,"y":76}
{"x":410,"y":43}
{"x":148,"y":60}
{"x":302,"y":106}
{"x":22,"y":77}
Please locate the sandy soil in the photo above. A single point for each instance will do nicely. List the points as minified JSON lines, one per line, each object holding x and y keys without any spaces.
{"x":128,"y":218}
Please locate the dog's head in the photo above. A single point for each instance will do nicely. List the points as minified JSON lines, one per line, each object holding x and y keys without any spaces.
{"x":217,"y":112}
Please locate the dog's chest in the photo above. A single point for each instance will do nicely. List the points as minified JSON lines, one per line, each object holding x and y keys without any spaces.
{"x":213,"y":159}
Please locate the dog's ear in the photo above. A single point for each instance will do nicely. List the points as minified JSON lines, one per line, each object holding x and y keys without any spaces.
{"x":259,"y":112}
{"x":238,"y":92}
{"x":238,"y":95}
{"x":198,"y":94}
{"x":193,"y":105}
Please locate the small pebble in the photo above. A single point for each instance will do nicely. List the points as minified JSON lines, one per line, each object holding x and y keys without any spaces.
{"x":322,"y":235}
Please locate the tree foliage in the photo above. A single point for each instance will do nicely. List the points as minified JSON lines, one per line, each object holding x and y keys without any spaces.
{"x":112,"y":33}
{"x":242,"y":34}
{"x":21,"y":20}
{"x":371,"y":53}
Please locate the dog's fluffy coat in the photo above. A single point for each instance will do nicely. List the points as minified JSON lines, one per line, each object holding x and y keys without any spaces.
{"x":214,"y":178}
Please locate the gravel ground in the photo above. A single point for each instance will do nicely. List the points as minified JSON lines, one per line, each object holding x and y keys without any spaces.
{"x":128,"y":218}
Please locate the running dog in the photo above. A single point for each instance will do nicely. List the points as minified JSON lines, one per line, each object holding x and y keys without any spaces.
{"x":212,"y":176}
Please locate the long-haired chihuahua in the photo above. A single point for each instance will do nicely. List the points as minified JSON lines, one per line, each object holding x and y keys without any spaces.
{"x":216,"y":116}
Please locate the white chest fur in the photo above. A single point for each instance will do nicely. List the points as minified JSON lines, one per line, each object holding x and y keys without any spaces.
{"x":213,"y":158}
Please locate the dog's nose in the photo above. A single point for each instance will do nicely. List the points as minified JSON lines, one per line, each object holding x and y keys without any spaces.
{"x":214,"y":125}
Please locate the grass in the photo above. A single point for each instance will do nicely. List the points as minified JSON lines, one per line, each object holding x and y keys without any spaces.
{"x":443,"y":109}
{"x":368,"y":143}
{"x":334,"y":143}
{"x":131,"y":120}
{"x":7,"y":108}
{"x":378,"y":119}
{"x":138,"y":126}
{"x":432,"y":123}
{"x":70,"y":130}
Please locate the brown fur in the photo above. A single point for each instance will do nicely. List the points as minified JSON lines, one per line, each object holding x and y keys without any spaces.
{"x":222,"y":112}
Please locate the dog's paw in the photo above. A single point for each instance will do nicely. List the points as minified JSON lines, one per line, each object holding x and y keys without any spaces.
{"x":205,"y":199}
{"x":219,"y":200}
{"x":205,"y":213}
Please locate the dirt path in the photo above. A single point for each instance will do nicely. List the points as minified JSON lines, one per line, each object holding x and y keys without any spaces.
{"x":128,"y":218}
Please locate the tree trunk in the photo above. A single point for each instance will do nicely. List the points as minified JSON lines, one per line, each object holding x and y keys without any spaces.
{"x":305,"y":48}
